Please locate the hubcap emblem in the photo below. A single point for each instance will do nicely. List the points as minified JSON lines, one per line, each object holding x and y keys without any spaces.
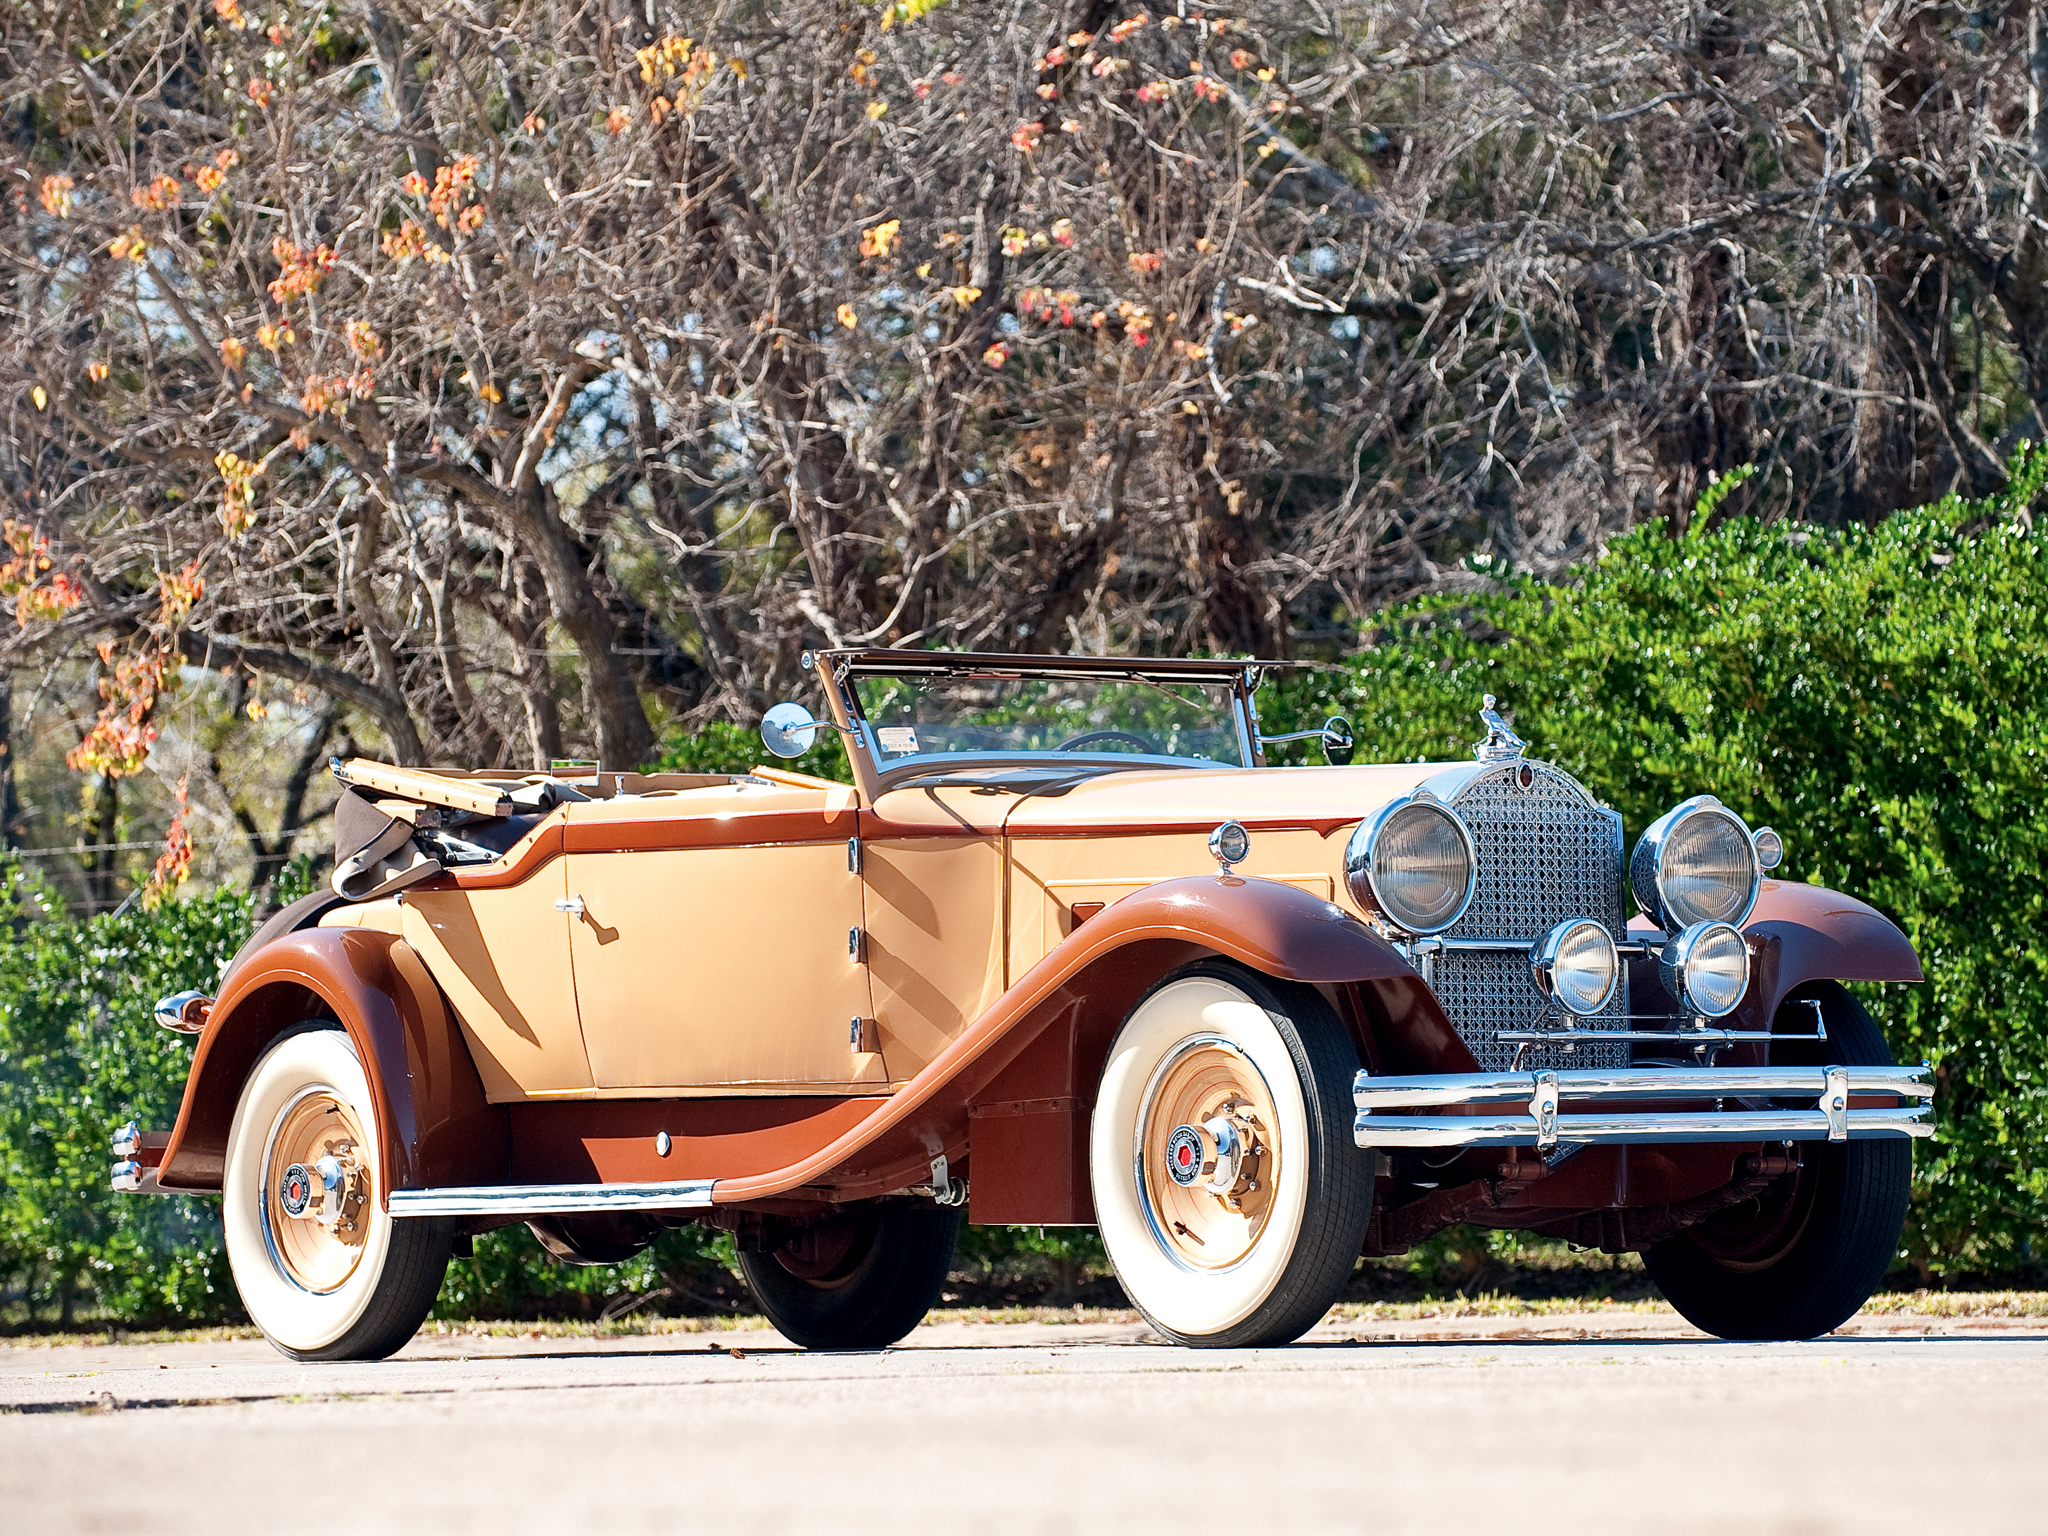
{"x":295,"y":1190}
{"x":1185,"y":1158}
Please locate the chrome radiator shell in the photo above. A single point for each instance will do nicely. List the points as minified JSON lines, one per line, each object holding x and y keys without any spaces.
{"x":1547,"y":852}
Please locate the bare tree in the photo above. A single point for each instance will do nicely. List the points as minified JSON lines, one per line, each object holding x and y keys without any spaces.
{"x":530,"y":377}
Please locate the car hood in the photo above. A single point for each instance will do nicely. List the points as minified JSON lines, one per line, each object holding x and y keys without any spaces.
{"x":1199,"y":799}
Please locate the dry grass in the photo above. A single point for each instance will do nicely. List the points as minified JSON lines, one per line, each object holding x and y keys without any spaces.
{"x":1938,"y":1304}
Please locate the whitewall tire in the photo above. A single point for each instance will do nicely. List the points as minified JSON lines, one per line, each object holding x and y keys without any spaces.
{"x":1230,"y":1195}
{"x":322,"y":1268}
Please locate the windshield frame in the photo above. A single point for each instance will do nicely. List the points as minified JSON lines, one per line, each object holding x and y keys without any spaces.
{"x":837,"y":671}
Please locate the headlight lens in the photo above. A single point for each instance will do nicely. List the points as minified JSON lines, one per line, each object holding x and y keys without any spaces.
{"x":1706,"y":969}
{"x":1696,"y":864}
{"x":1414,"y":862}
{"x":1576,"y":963}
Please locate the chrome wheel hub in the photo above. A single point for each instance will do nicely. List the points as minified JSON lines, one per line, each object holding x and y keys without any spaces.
{"x":1211,"y":1154}
{"x":320,"y":1190}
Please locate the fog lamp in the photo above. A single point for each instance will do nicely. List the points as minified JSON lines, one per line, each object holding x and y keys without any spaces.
{"x":1706,"y":969}
{"x":1576,"y":964}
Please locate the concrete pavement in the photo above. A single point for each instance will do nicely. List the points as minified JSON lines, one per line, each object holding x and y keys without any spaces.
{"x":1628,"y":1423}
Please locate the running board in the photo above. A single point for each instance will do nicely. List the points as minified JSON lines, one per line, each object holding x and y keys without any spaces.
{"x":551,"y":1199}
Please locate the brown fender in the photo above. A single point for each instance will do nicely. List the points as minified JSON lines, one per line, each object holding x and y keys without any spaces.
{"x":1801,"y":933}
{"x":1075,"y":998}
{"x":433,"y":1125}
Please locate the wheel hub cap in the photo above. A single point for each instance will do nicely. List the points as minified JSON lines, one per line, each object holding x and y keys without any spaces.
{"x":315,"y":1192}
{"x":1206,"y":1155}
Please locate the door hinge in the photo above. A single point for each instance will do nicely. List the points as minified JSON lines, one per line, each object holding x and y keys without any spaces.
{"x":856,"y":946}
{"x":853,"y":855}
{"x":862,"y":1036}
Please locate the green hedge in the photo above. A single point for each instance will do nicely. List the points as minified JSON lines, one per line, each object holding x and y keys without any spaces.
{"x":1877,"y":695}
{"x":79,"y":1055}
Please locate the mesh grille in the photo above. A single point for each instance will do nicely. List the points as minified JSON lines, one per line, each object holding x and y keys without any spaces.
{"x":1545,"y":854}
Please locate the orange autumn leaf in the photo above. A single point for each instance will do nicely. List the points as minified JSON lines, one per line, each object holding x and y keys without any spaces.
{"x":882,"y":239}
{"x":848,"y":316}
{"x":158,"y":195}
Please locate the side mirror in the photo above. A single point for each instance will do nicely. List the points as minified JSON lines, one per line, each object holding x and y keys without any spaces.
{"x":788,"y":730}
{"x":1337,"y":740}
{"x":1335,"y":737}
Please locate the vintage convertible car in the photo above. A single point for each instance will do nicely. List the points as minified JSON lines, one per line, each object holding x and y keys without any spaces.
{"x":1065,"y":952}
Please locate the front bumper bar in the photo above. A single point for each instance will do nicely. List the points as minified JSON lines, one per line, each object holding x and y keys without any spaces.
{"x":1544,"y":1109}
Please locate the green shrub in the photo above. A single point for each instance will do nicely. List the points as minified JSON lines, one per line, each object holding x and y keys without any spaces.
{"x":1876,"y":694}
{"x":80,"y":1055}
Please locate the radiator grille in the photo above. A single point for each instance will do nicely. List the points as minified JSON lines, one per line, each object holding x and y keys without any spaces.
{"x":1546,"y":853}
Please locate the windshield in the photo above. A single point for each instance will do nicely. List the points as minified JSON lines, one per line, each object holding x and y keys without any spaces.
{"x":968,"y":719}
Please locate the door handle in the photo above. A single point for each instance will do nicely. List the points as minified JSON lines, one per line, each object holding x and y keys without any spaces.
{"x":573,"y":905}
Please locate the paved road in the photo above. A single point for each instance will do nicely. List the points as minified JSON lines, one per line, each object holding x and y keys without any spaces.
{"x":1630,"y":1425}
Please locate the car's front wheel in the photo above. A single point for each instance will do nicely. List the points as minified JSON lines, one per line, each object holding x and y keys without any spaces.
{"x":1230,"y":1194}
{"x":323,"y":1269}
{"x":861,"y":1280}
{"x":1799,"y":1259}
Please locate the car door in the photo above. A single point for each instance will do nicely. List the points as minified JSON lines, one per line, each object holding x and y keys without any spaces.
{"x":716,"y":938}
{"x":932,"y":861}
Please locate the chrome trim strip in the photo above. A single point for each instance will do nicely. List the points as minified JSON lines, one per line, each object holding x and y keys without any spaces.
{"x":1628,"y":949}
{"x":1660,"y":1036}
{"x":550,"y":1199}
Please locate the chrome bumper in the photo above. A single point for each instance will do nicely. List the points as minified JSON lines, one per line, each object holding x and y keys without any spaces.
{"x":1742,"y":1106}
{"x":137,"y":1154}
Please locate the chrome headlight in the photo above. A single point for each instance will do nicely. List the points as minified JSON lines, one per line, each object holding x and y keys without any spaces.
{"x":1415,"y":862}
{"x":1577,"y":964}
{"x":1696,"y":864}
{"x":1706,"y":969}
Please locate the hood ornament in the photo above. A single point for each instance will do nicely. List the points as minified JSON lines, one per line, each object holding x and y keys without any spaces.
{"x":1501,"y":742}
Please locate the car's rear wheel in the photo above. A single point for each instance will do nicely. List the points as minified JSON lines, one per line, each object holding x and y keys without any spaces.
{"x":1230,"y":1194}
{"x":1799,"y":1259}
{"x":323,"y":1269}
{"x":861,"y":1280}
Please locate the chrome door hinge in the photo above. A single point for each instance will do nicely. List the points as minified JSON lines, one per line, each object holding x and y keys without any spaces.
{"x":862,"y":1036}
{"x":856,"y":946}
{"x":853,"y":855}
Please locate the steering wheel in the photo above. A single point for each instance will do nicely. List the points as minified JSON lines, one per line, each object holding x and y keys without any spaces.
{"x":1087,"y":736}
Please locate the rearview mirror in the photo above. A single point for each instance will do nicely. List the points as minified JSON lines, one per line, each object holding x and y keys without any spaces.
{"x":788,"y":730}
